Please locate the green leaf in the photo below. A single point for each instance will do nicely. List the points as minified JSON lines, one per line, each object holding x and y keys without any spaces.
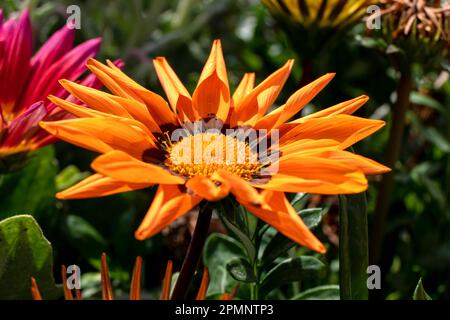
{"x":83,"y":236}
{"x":32,"y":189}
{"x":299,"y":201}
{"x":353,"y":247}
{"x":276,"y":247}
{"x":329,"y":292}
{"x":292,"y":269}
{"x":371,"y":42}
{"x":436,"y":138}
{"x":280,"y":244}
{"x":392,"y":49}
{"x":427,"y":101}
{"x":241,"y":270}
{"x":68,"y":177}
{"x":312,"y":217}
{"x":237,"y":230}
{"x":219,"y":250}
{"x":420,"y":293}
{"x":25,"y":253}
{"x":431,"y":134}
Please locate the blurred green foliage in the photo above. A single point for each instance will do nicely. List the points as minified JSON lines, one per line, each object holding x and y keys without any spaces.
{"x":417,"y":240}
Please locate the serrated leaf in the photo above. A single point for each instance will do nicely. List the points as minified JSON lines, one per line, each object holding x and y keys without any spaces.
{"x":25,"y":253}
{"x":241,"y":270}
{"x":328,"y":292}
{"x":420,"y":293}
{"x":292,"y":269}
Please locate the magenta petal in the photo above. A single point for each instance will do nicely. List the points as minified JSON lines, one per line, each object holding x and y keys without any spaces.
{"x":60,"y":43}
{"x":16,"y":55}
{"x":70,"y":67}
{"x":26,"y":125}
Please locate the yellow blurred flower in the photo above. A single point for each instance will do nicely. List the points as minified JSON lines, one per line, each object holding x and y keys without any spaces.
{"x":334,"y":14}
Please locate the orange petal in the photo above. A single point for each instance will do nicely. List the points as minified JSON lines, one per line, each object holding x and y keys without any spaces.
{"x":232,"y":295}
{"x":97,"y":185}
{"x":122,"y":85}
{"x":314,"y":174}
{"x":278,"y":212}
{"x":343,"y":128}
{"x":244,"y":88}
{"x":169,"y":203}
{"x":270,"y":120}
{"x":179,"y":98}
{"x":260,"y":99}
{"x":76,"y":109}
{"x":102,"y":134}
{"x":107,"y":293}
{"x":295,"y":103}
{"x":211,"y":98}
{"x":368,"y":166}
{"x":308,"y":146}
{"x":240,"y":188}
{"x":201,"y":294}
{"x":95,"y":99}
{"x":165,"y":292}
{"x":123,"y":167}
{"x":67,"y":293}
{"x":135,"y":290}
{"x":207,"y":189}
{"x":143,"y":122}
{"x":35,"y":293}
{"x":111,"y":104}
{"x":347,"y":107}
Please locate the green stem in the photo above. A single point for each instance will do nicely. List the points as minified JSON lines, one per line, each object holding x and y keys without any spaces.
{"x":193,"y":254}
{"x":254,"y":287}
{"x":353,"y":247}
{"x":391,"y":157}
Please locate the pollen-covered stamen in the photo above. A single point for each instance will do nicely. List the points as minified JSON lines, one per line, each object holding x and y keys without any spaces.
{"x":205,"y":153}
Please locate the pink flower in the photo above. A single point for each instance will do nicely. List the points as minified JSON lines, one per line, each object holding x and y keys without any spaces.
{"x":26,"y":80}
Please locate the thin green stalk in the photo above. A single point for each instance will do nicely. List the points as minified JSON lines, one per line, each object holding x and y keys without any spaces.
{"x":391,"y":157}
{"x":193,"y":254}
{"x":353,"y":247}
{"x":254,"y":288}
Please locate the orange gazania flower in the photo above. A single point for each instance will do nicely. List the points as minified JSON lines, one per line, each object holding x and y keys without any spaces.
{"x":131,"y":126}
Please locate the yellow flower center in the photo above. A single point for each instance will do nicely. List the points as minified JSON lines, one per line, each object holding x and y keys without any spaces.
{"x":203,"y":154}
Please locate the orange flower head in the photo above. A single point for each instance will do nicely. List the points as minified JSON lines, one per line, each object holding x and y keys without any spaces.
{"x":212,"y":144}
